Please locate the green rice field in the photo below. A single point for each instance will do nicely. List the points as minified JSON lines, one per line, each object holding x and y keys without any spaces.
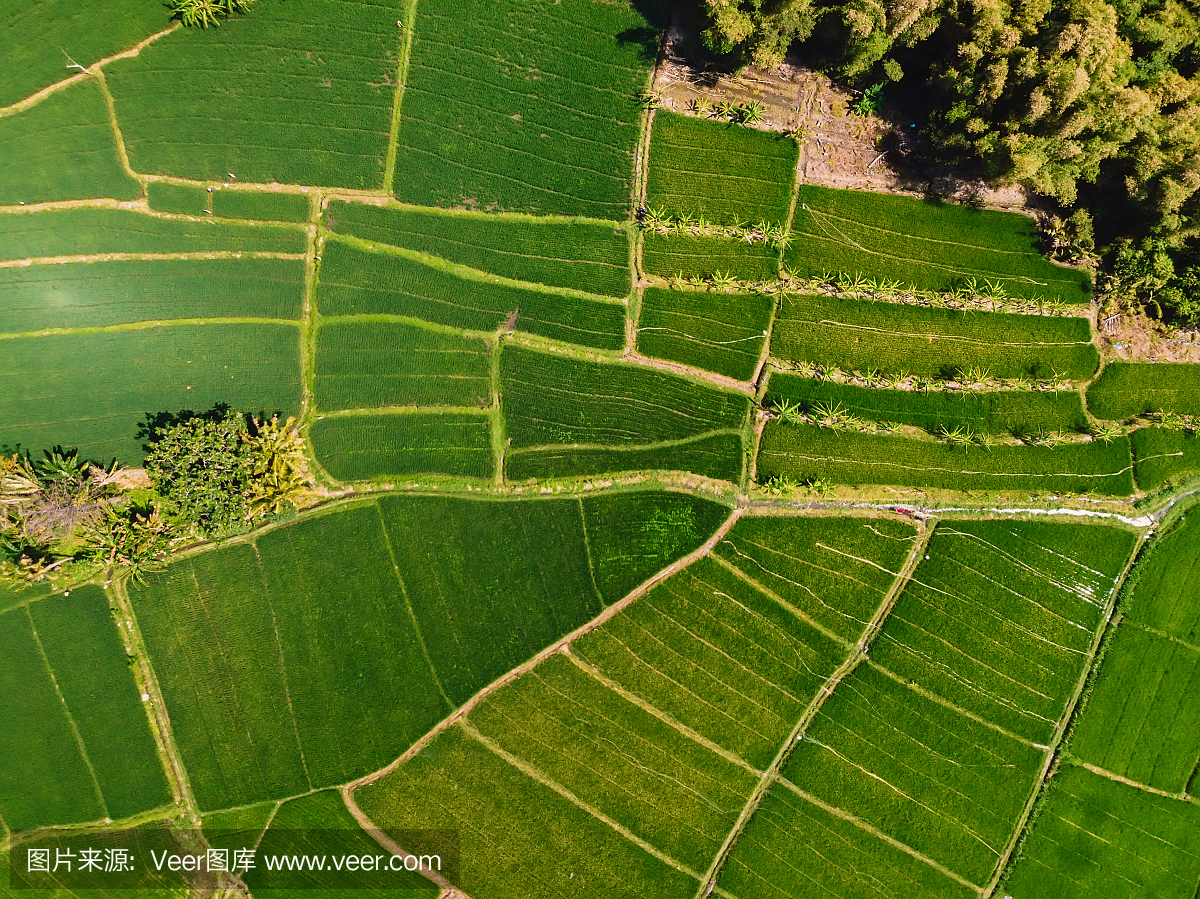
{"x":727,"y":173}
{"x":359,"y":282}
{"x":100,"y":294}
{"x":1125,"y":389}
{"x":270,"y":207}
{"x":717,"y":456}
{"x":719,"y":332}
{"x":854,"y":459}
{"x":702,"y":257}
{"x":313,"y":105}
{"x":1162,"y":455}
{"x":1098,"y":837}
{"x":889,"y":337}
{"x":368,"y":364}
{"x":81,"y":390}
{"x":537,"y":113}
{"x":982,"y":412}
{"x":931,"y":246}
{"x":62,"y":149}
{"x":583,"y":255}
{"x":181,"y":199}
{"x":365,"y":447}
{"x":85,"y":231}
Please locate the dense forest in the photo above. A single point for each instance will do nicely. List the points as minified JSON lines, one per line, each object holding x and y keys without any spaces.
{"x":1094,"y":104}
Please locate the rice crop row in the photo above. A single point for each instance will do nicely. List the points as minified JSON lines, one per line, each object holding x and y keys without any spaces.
{"x":1168,"y":580}
{"x":727,"y":173}
{"x":79,"y":295}
{"x":370,"y":364}
{"x":549,"y":399}
{"x":93,"y":390}
{"x":983,"y":412}
{"x":861,"y":334}
{"x":713,"y":455}
{"x":803,"y":452}
{"x":939,"y":246}
{"x":62,"y":149}
{"x":715,"y":654}
{"x":315,"y":86}
{"x":1125,"y":389}
{"x":925,"y":775}
{"x":260,"y":205}
{"x":583,"y":255}
{"x":43,"y":775}
{"x":182,"y":199}
{"x":702,"y":257}
{"x":357,"y":282}
{"x":91,"y":670}
{"x":522,"y":838}
{"x":670,"y":791}
{"x":632,"y":536}
{"x":720,"y":332}
{"x":1097,"y":837}
{"x":366,"y":447}
{"x":1161,"y":455}
{"x":1000,"y":616}
{"x":1140,"y":719}
{"x":35,"y":38}
{"x":88,"y":231}
{"x":520,"y":107}
{"x":792,"y":848}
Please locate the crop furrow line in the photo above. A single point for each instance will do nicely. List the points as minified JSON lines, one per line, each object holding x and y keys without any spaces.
{"x":202,"y":255}
{"x":1138,"y":785}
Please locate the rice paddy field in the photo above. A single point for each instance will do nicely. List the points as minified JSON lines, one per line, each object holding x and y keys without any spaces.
{"x":570,"y":590}
{"x":930,"y":246}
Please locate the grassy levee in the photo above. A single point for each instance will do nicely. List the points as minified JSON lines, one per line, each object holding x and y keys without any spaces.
{"x":940,"y":783}
{"x":92,"y":390}
{"x":181,"y":199}
{"x":260,"y":205}
{"x":584,"y":255}
{"x":794,"y":848}
{"x":35,"y":38}
{"x":727,"y":173}
{"x":1139,"y":722}
{"x":983,"y":412}
{"x":364,"y":447}
{"x":62,"y":149}
{"x":319,"y":651}
{"x":720,"y":332}
{"x":365,"y":364}
{"x":890,"y":337}
{"x":1000,"y":616}
{"x":522,"y":838}
{"x":537,"y":113}
{"x":855,"y":459}
{"x":44,"y":776}
{"x":90,"y":231}
{"x":1162,"y":455}
{"x":1097,"y":837}
{"x":931,"y":246}
{"x":321,"y":825}
{"x":1126,"y":389}
{"x":701,"y":257}
{"x":91,"y":670}
{"x":313,"y":103}
{"x":355,"y":281}
{"x":612,"y":417}
{"x":100,"y":294}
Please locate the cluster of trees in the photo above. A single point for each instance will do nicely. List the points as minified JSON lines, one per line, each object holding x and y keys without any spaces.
{"x":202,"y":13}
{"x":1094,"y":104}
{"x":207,"y":475}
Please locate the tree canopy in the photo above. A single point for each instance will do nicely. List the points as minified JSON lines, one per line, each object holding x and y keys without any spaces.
{"x":1092,"y":103}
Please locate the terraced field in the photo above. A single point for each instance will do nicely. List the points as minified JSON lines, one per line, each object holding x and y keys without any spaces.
{"x":630,"y":565}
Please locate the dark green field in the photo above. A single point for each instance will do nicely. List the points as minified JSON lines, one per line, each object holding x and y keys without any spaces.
{"x":365,"y":447}
{"x":1126,"y":389}
{"x":702,"y":257}
{"x":720,"y":332}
